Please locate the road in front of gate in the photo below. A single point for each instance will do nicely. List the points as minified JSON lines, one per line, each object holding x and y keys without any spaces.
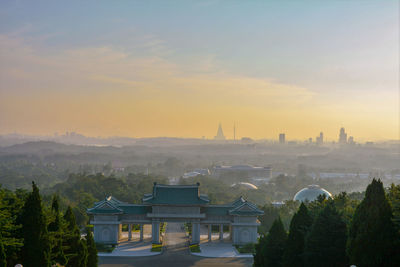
{"x":176,"y":254}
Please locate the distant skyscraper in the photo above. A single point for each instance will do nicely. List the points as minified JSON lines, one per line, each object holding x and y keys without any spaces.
{"x":320,"y":139}
{"x":220,"y":134}
{"x":282,"y":138}
{"x":342,"y":136}
{"x":351,"y":140}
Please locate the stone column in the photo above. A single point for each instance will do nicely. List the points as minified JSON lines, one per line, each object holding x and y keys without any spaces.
{"x":129,"y":232}
{"x":195,"y":233}
{"x":119,"y":232}
{"x":141,"y":232}
{"x":155,"y":232}
{"x":221,"y":232}
{"x":209,"y":233}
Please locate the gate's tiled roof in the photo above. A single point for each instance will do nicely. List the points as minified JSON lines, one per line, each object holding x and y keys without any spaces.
{"x":176,"y":195}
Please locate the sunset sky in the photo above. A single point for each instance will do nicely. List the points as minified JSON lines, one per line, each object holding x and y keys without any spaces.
{"x":178,"y":68}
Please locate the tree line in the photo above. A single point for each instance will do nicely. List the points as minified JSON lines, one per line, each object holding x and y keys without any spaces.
{"x":39,"y":235}
{"x":328,"y":232}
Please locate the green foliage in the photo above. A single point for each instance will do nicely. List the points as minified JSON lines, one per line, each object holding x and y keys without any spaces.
{"x":269,"y":250}
{"x":394,"y":198}
{"x":248,"y":248}
{"x":195,"y":248}
{"x":92,"y":250}
{"x":56,"y":234}
{"x":326,"y":242}
{"x":259,"y":249}
{"x":81,"y":191}
{"x":156,"y":247}
{"x":10,"y":230}
{"x":3,"y":260}
{"x":345,"y":206}
{"x":271,"y":213}
{"x":373,"y":239}
{"x":76,"y":250}
{"x":299,"y":228}
{"x":36,"y":249}
{"x":104,"y":248}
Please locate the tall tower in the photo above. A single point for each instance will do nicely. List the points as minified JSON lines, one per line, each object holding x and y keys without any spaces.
{"x":220,"y":134}
{"x":282,"y":138}
{"x":320,"y":138}
{"x":342,"y":136}
{"x":234,"y":131}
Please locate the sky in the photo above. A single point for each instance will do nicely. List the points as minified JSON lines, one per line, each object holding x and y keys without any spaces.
{"x":179,"y":68}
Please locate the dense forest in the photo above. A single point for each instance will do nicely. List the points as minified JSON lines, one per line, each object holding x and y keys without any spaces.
{"x":336,"y":232}
{"x":289,"y":233}
{"x":40,"y":235}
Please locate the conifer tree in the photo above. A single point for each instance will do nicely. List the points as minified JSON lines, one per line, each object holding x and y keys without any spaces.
{"x":299,"y":227}
{"x":373,"y":240}
{"x":326,"y":242}
{"x":56,"y":233}
{"x":92,"y":250}
{"x":259,"y":252}
{"x":76,"y":251}
{"x":3,"y":260}
{"x":36,"y":249}
{"x":275,"y":244}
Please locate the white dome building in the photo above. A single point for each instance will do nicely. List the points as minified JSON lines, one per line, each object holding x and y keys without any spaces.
{"x":246,"y":185}
{"x":311,"y":193}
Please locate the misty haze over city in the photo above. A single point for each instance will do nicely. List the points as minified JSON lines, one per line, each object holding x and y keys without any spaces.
{"x":199,"y":133}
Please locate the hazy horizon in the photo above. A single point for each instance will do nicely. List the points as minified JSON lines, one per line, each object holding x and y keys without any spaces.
{"x":178,"y":68}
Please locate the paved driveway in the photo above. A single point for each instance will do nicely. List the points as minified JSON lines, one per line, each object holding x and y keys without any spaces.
{"x":176,"y":253}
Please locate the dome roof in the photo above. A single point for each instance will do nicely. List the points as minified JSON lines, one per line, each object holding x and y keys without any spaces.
{"x":311,"y":193}
{"x":247,"y":185}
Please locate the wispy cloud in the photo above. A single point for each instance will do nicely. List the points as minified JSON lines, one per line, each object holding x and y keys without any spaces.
{"x":103,"y":85}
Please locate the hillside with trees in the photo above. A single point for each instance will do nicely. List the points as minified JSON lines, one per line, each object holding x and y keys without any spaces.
{"x":332,"y":232}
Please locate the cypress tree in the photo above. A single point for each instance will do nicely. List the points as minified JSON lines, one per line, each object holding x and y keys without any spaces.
{"x":326,"y":242}
{"x":299,"y":227}
{"x":55,"y":229}
{"x":373,"y":240}
{"x":76,"y":251}
{"x":259,"y":252}
{"x":36,"y":249}
{"x":92,"y":250}
{"x":3,"y":260}
{"x":275,"y":244}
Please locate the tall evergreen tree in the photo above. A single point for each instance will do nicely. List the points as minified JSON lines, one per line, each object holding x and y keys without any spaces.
{"x":275,"y":244}
{"x":394,"y":198}
{"x":3,"y":260}
{"x":299,"y":227}
{"x":92,"y":250}
{"x":326,"y":242}
{"x":36,"y":249}
{"x":259,"y":252}
{"x":373,"y":239}
{"x":76,"y":250}
{"x":56,"y":234}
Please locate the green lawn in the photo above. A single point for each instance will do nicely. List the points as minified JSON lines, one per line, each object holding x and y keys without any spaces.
{"x":104,"y":248}
{"x":194,"y":248}
{"x":248,"y":248}
{"x":156,"y":248}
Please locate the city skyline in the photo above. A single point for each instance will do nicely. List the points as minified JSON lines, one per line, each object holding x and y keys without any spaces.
{"x":220,"y":136}
{"x":134,"y":70}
